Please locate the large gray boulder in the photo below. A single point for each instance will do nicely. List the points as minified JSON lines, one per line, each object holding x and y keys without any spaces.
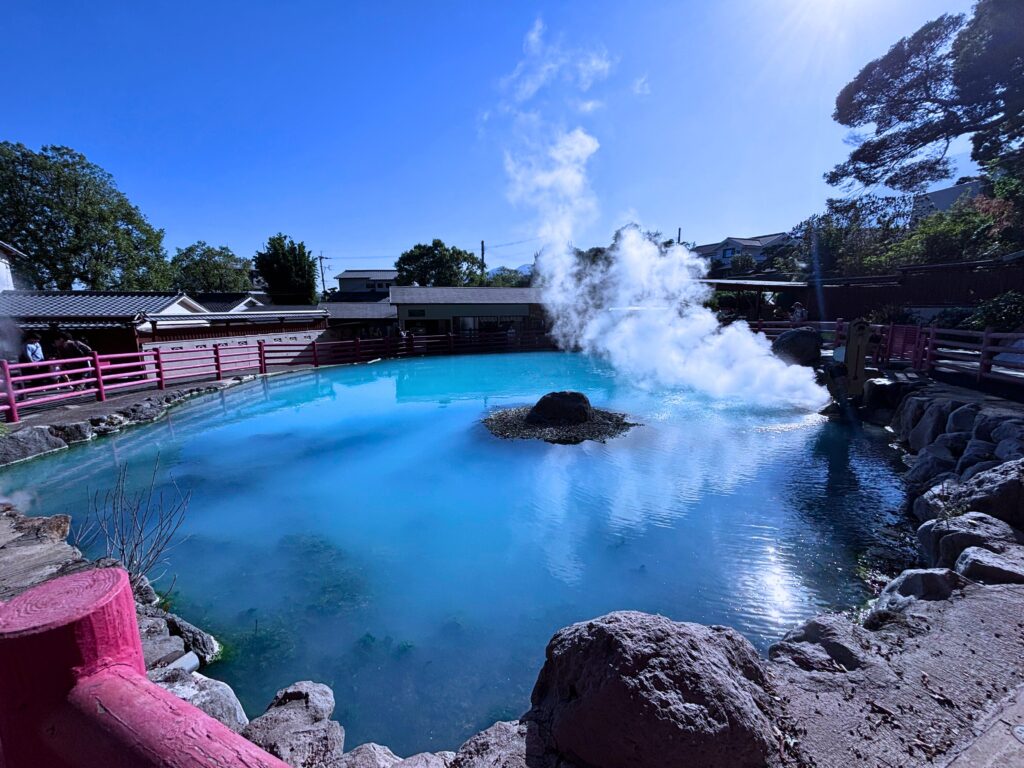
{"x":560,"y":409}
{"x":975,"y":452}
{"x":296,"y":728}
{"x":27,"y":442}
{"x":503,"y":745}
{"x":998,"y":492}
{"x":931,"y":425}
{"x":963,"y":418}
{"x":427,"y":760}
{"x":74,"y":432}
{"x":910,"y":411}
{"x":215,"y":698}
{"x":829,"y":643}
{"x":798,"y":346}
{"x":631,"y":690}
{"x":927,"y":468}
{"x":942,"y":541}
{"x":368,"y":756}
{"x":988,"y":567}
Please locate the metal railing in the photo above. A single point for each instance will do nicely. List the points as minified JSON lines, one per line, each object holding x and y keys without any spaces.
{"x":51,"y":382}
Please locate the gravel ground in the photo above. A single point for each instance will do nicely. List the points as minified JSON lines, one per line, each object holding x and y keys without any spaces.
{"x":510,"y":423}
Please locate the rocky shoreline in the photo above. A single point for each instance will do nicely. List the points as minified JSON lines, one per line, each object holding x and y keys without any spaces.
{"x":928,"y":669}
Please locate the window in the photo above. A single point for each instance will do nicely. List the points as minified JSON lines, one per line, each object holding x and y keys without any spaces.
{"x":369,"y":286}
{"x":417,"y":313}
{"x":728,"y":253}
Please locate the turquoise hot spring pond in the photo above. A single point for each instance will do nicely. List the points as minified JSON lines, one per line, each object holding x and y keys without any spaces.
{"x":360,"y":526}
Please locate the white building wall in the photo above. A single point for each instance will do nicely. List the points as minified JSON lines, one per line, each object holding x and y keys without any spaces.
{"x":6,"y":278}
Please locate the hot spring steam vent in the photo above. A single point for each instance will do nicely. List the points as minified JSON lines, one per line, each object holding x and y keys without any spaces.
{"x":558,"y":417}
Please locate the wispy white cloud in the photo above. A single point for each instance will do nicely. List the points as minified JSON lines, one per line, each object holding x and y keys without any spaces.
{"x":588,"y":106}
{"x":641,"y":87}
{"x":546,"y":62}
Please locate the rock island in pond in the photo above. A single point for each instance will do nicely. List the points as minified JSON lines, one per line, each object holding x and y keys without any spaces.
{"x":558,"y":417}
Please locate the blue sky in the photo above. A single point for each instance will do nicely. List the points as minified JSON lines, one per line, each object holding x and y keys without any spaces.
{"x":363,"y":128}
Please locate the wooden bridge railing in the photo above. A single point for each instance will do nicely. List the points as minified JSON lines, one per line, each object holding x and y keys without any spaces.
{"x":34,"y":385}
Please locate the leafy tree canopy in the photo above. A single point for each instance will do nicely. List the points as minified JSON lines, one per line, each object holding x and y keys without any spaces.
{"x":201,"y":268}
{"x":438,"y":264}
{"x":503,"y":277}
{"x":76,"y":227}
{"x":953,"y":77}
{"x":289,"y":269}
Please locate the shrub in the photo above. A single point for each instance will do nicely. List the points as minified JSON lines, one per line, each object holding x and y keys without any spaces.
{"x":1003,"y":313}
{"x":895,"y":314}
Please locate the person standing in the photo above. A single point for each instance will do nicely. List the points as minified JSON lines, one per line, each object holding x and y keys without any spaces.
{"x":32,"y":350}
{"x":68,"y":347}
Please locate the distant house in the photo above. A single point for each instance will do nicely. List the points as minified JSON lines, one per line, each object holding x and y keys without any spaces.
{"x":7,"y":252}
{"x":722,"y":253}
{"x":351,"y":319}
{"x":229,"y":302}
{"x":941,"y":200}
{"x":114,"y":321}
{"x":462,"y":310}
{"x":366,"y":280}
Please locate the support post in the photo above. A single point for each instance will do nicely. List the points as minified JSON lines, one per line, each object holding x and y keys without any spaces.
{"x":9,"y":391}
{"x":75,"y":691}
{"x":929,"y":360}
{"x":316,"y":356}
{"x":101,"y":390}
{"x":451,"y":344}
{"x":356,"y":352}
{"x":161,"y":376}
{"x":985,"y":362}
{"x":262,"y":348}
{"x":216,"y":362}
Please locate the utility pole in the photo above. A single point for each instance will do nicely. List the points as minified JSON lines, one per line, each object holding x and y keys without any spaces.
{"x":679,"y":236}
{"x":323,"y":280}
{"x":483,"y":263}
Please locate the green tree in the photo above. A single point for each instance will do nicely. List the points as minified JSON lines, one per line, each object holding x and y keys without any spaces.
{"x":289,"y":269}
{"x":953,"y":77}
{"x":964,"y":232}
{"x":503,"y":277}
{"x":439,"y":265}
{"x":740,"y":263}
{"x":200,"y":268}
{"x":76,"y":227}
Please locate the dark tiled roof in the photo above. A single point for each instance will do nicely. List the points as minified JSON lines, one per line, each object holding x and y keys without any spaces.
{"x":360,"y":310}
{"x":222,"y":301}
{"x":944,"y":199}
{"x":84,"y":303}
{"x":758,"y":241}
{"x":270,"y":316}
{"x":349,"y":296}
{"x":412,"y":294}
{"x":368,"y":274}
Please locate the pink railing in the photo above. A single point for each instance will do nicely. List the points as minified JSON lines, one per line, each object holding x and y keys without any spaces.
{"x":33,"y":385}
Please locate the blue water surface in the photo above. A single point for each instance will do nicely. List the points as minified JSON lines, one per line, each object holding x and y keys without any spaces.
{"x":360,"y":526}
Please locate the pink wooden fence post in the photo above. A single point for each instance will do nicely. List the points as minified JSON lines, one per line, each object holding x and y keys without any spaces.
{"x":929,"y":360}
{"x":9,"y":391}
{"x":262,"y":347}
{"x":101,"y":391}
{"x":985,"y":362}
{"x":355,"y":350}
{"x":75,"y":691}
{"x":161,"y":377}
{"x":216,"y":362}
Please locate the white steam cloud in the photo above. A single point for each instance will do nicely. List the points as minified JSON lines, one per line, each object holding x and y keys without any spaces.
{"x":637,"y":304}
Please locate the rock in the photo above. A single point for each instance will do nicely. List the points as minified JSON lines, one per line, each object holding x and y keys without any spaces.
{"x":215,"y":698}
{"x":975,"y":452}
{"x":161,"y":650}
{"x":503,"y":745}
{"x":962,"y":419}
{"x":28,"y":442}
{"x":926,"y":469}
{"x":979,"y":564}
{"x":907,"y":415}
{"x":75,"y":432}
{"x":144,"y":592}
{"x":1007,"y":430}
{"x":203,"y":644}
{"x":998,"y":491}
{"x":147,"y":410}
{"x":630,"y":689}
{"x":982,"y":466}
{"x":937,"y":500}
{"x":985,"y":424}
{"x":427,"y":760}
{"x":942,"y":541}
{"x":799,"y":346}
{"x":824,"y":644}
{"x":368,"y":756}
{"x":1010,"y":449}
{"x":950,"y":444}
{"x":559,"y":409}
{"x":883,"y":394}
{"x":917,"y":584}
{"x":931,"y":425}
{"x":295,"y":727}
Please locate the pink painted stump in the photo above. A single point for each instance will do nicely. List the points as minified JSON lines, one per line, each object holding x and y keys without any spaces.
{"x":74,"y":692}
